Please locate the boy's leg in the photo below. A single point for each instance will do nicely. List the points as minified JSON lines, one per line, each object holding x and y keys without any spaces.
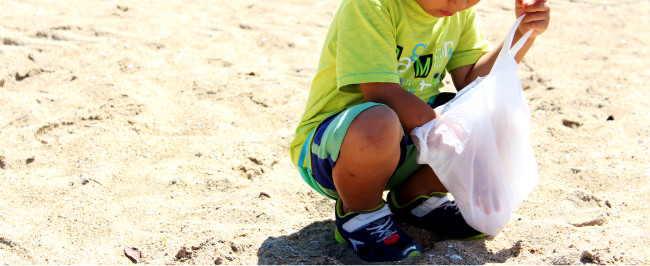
{"x":423,"y":201}
{"x":422,"y":182}
{"x":417,"y":181}
{"x":369,"y":155}
{"x":353,"y":155}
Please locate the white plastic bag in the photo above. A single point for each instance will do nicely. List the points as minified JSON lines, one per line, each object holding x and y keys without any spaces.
{"x":479,"y":146}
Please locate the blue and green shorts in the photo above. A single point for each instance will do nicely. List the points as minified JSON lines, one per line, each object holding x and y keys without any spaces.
{"x":321,"y":149}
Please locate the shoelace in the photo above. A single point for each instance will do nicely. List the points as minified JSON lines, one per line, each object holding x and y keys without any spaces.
{"x":383,"y":230}
{"x":450,"y":204}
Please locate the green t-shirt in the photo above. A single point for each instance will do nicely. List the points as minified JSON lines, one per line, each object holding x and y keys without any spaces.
{"x":386,"y":41}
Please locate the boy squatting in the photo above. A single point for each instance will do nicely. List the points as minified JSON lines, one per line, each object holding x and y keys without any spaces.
{"x":379,"y":75}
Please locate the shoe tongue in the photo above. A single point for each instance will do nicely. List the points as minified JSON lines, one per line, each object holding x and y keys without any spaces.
{"x":379,"y":221}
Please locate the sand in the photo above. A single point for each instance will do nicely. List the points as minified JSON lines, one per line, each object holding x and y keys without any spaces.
{"x":164,"y":126}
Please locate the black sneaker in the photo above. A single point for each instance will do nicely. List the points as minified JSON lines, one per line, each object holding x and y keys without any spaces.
{"x":374,"y":235}
{"x":436,"y":213}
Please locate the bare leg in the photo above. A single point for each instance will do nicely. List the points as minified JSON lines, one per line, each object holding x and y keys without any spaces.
{"x":422,"y":182}
{"x":369,"y":155}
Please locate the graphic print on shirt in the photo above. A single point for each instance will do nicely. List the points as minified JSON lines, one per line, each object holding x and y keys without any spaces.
{"x":422,"y":65}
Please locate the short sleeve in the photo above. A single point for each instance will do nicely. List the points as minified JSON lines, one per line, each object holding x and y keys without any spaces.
{"x":472,"y":43}
{"x":365,"y":45}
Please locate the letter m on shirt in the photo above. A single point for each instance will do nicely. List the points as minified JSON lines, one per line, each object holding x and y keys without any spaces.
{"x":422,"y":66}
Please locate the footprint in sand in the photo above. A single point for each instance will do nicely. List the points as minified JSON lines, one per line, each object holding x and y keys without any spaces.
{"x":590,"y":210}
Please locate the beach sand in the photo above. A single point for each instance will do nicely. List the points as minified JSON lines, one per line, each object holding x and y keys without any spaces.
{"x":164,"y":126}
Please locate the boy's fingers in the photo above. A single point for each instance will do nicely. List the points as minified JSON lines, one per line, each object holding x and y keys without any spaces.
{"x":519,"y":3}
{"x":536,"y":16}
{"x":537,"y":6}
{"x":539,"y":26}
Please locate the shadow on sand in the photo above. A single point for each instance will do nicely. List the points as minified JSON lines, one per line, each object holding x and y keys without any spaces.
{"x":315,"y":244}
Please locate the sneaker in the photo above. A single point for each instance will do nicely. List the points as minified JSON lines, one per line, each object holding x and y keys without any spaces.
{"x":374,"y":235}
{"x":436,"y":213}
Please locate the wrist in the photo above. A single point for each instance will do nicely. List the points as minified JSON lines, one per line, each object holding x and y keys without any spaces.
{"x":520,"y":33}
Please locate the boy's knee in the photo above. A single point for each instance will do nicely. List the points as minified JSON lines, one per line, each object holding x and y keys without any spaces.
{"x":378,"y":126}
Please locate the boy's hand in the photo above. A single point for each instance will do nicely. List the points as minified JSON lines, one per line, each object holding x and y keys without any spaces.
{"x":538,"y":15}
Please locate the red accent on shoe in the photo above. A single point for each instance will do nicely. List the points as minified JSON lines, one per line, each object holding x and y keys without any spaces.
{"x":391,"y":239}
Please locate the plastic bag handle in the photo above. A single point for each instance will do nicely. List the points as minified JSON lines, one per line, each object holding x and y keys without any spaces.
{"x":515,"y":49}
{"x":511,"y":35}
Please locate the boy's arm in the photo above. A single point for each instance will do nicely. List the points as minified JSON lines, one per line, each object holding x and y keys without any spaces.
{"x":464,"y":75}
{"x":412,"y":111}
{"x":537,"y":19}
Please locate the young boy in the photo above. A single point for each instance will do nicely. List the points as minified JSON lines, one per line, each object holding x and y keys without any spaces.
{"x":379,"y":76}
